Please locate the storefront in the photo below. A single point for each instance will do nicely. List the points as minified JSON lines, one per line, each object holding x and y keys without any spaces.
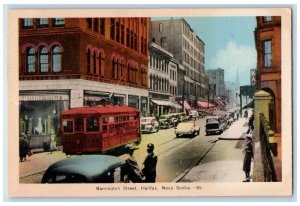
{"x":40,"y":111}
{"x":133,"y":101}
{"x":94,"y":98}
{"x":144,"y":106}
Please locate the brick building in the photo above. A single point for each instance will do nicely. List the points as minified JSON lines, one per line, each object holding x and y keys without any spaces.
{"x":177,"y":37}
{"x":71,"y":62}
{"x":268,"y":46}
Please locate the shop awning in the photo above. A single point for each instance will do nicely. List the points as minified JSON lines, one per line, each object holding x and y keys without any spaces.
{"x":186,"y":105}
{"x":204,"y":104}
{"x":177,"y":106}
{"x":249,"y":105}
{"x":162,"y":102}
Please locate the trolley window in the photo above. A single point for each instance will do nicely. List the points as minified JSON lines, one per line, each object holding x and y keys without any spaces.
{"x":92,"y":124}
{"x":68,"y":125}
{"x":79,"y":124}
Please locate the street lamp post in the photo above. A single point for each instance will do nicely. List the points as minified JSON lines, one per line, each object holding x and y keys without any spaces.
{"x":182,"y":100}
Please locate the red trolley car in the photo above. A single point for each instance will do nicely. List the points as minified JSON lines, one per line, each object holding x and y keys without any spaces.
{"x":99,"y":129}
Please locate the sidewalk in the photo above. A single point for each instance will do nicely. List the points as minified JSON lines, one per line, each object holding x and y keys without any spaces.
{"x":34,"y":161}
{"x":224,"y":163}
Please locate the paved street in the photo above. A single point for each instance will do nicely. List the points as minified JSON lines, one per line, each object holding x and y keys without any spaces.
{"x":202,"y":158}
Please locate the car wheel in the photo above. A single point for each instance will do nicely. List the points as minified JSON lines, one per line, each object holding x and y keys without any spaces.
{"x":150,"y":131}
{"x":157,"y":129}
{"x":177,"y":135}
{"x":207,"y":133}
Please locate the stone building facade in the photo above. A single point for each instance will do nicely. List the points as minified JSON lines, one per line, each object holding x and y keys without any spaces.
{"x":162,"y":80}
{"x":177,"y":37}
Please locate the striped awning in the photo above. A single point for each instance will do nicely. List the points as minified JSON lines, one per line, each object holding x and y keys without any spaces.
{"x":186,"y":105}
{"x":162,"y":102}
{"x":204,"y":104}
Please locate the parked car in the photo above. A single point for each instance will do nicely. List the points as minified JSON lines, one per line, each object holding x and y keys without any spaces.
{"x":193,"y":114}
{"x":215,"y":124}
{"x":86,"y":169}
{"x":149,"y":124}
{"x":202,"y":113}
{"x":165,"y":121}
{"x":181,"y":117}
{"x":187,"y":128}
{"x":174,"y":119}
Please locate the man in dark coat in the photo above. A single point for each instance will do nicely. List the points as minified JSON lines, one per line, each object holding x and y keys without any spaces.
{"x":248,"y":150}
{"x":149,"y":169}
{"x":23,"y":147}
{"x":250,"y":124}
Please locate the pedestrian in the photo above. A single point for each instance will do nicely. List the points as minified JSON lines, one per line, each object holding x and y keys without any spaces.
{"x":248,"y":150}
{"x":149,"y":169}
{"x":131,"y":167}
{"x":250,"y":124}
{"x":246,"y":113}
{"x":52,"y":141}
{"x":23,"y":147}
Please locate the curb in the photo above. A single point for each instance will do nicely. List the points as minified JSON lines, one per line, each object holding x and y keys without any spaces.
{"x":237,"y":138}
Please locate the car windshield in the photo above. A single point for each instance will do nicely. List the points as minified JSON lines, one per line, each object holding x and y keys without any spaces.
{"x":147,"y":120}
{"x":212,"y":120}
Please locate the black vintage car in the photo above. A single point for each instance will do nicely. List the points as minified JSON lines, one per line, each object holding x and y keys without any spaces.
{"x":86,"y":169}
{"x":165,"y":121}
{"x":215,"y":124}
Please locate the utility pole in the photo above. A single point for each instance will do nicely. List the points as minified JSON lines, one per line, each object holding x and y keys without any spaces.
{"x":208,"y":97}
{"x":183,"y":90}
{"x":182,"y":100}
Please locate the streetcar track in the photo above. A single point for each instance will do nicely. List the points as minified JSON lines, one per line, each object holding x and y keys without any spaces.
{"x":193,"y":164}
{"x":173,"y":146}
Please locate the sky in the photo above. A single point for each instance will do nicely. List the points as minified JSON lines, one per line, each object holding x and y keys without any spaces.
{"x":229,"y":44}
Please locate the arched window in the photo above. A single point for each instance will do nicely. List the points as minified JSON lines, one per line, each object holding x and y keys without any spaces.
{"x":88,"y":61}
{"x":94,"y":62}
{"x":130,"y":70}
{"x":43,"y":59}
{"x":56,"y":59}
{"x":114,"y":64}
{"x":119,"y":69}
{"x":101,"y":63}
{"x":150,"y":80}
{"x":30,"y":60}
{"x":123,"y":69}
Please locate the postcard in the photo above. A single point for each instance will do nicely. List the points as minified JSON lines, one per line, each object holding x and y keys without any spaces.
{"x":149,"y":102}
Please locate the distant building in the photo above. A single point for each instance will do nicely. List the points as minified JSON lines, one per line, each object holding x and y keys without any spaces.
{"x":216,"y":82}
{"x":73,"y":62}
{"x":177,"y":37}
{"x":230,"y":93}
{"x":268,"y":46}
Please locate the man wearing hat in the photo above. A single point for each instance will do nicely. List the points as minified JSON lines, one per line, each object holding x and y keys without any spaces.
{"x":248,"y":150}
{"x":133,"y":170}
{"x":149,"y":169}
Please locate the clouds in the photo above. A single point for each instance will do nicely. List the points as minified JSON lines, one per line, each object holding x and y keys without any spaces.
{"x":234,"y":56}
